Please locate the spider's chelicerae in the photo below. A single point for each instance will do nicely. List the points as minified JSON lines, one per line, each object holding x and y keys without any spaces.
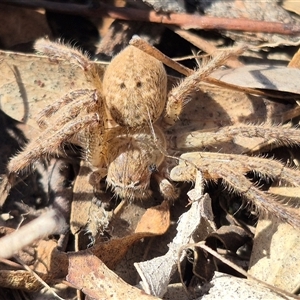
{"x":121,"y":125}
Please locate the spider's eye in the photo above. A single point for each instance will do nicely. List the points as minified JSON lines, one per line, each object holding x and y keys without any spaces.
{"x":152,"y":168}
{"x":122,"y":85}
{"x":138,"y":84}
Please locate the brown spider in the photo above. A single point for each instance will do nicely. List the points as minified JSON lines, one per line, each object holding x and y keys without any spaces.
{"x":121,"y":124}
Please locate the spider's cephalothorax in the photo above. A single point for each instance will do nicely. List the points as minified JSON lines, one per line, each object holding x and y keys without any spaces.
{"x":121,"y":125}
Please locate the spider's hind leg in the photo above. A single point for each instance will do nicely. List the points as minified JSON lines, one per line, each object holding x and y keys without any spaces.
{"x":241,"y":135}
{"x":232,"y":168}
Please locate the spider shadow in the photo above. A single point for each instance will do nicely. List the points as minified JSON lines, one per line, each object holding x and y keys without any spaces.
{"x":29,"y":191}
{"x":212,"y":108}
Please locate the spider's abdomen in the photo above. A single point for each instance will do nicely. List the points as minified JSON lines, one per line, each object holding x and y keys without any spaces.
{"x":135,"y":87}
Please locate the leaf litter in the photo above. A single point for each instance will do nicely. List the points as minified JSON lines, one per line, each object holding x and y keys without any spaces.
{"x":87,"y":268}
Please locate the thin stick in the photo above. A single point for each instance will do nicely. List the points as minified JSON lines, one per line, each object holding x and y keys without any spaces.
{"x":186,"y":21}
{"x":118,"y":210}
{"x":38,"y":278}
{"x":204,"y":45}
{"x":241,"y":271}
{"x":147,"y":48}
{"x":51,"y":222}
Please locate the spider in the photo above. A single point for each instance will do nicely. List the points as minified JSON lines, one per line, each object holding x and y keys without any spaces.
{"x":127,"y":124}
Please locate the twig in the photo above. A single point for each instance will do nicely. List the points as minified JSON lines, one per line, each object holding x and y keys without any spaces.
{"x":51,"y":222}
{"x":144,"y":46}
{"x":204,"y":45}
{"x":10,"y":263}
{"x":186,"y":21}
{"x":38,"y":278}
{"x":277,"y":290}
{"x":147,"y":48}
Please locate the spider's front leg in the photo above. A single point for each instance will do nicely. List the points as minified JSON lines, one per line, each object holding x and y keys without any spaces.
{"x":179,"y":96}
{"x":63,"y":126}
{"x":74,"y":100}
{"x":231,"y":168}
{"x":44,"y":145}
{"x":49,"y":142}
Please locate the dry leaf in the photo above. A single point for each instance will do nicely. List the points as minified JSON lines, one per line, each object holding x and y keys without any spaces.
{"x":90,"y":275}
{"x":28,"y":83}
{"x":176,"y":291}
{"x":19,"y":279}
{"x":232,"y":237}
{"x":49,"y":263}
{"x":255,"y":10}
{"x":112,"y":251}
{"x":156,"y":220}
{"x":156,"y":273}
{"x":224,"y":286}
{"x":275,"y":256}
{"x":291,"y":5}
{"x":276,"y":78}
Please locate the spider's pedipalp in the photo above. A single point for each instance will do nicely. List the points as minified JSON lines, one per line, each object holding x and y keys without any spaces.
{"x":167,"y":189}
